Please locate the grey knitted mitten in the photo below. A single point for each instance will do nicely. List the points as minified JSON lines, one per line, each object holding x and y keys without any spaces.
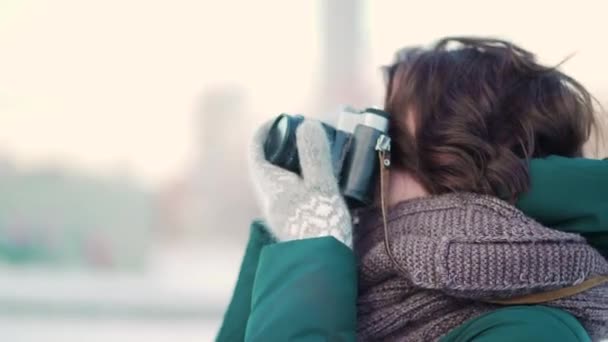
{"x":300,"y":207}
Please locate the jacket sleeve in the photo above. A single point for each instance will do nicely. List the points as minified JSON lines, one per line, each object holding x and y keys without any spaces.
{"x":570,"y":194}
{"x":522,"y":324}
{"x":304,"y":290}
{"x":236,"y":316}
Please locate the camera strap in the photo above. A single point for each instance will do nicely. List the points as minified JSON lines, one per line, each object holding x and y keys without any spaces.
{"x":384,"y":157}
{"x":547,"y":296}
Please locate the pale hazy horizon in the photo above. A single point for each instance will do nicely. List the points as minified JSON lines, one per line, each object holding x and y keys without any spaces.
{"x":116,"y":85}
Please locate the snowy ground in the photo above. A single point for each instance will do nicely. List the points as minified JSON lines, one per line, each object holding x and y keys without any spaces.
{"x":181,"y":296}
{"x":91,"y":330}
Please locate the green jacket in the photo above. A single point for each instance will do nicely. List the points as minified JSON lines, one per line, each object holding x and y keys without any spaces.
{"x":306,"y":290}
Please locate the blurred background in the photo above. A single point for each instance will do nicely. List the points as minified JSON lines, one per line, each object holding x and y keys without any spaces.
{"x":124,"y":194}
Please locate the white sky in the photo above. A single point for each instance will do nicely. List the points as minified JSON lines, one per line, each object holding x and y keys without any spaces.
{"x":111,"y":84}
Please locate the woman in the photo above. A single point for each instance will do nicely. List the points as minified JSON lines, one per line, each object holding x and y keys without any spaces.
{"x":475,"y":129}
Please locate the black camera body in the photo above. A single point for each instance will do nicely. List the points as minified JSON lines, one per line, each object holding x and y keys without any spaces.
{"x":355,"y":142}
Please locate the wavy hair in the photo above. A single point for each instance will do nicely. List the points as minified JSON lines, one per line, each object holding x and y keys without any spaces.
{"x":468,"y":114}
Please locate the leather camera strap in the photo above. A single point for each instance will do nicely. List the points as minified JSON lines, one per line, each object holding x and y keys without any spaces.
{"x":547,"y":296}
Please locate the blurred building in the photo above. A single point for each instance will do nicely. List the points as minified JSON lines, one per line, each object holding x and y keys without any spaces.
{"x":57,"y":216}
{"x":214,"y":199}
{"x":344,"y":65}
{"x":221,"y":175}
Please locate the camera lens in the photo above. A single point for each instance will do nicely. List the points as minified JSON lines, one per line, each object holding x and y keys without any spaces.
{"x":280,"y":146}
{"x":277,"y":133}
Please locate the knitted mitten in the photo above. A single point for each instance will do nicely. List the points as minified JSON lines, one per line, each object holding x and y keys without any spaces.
{"x":306,"y":206}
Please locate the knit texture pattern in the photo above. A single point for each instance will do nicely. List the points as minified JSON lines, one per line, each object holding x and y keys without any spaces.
{"x":456,"y":250}
{"x":300,"y":206}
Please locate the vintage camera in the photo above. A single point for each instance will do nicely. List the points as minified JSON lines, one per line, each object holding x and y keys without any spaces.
{"x":354,"y":145}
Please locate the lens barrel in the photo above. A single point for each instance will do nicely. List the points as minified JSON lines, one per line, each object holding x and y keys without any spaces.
{"x":353,"y":154}
{"x":280,"y":147}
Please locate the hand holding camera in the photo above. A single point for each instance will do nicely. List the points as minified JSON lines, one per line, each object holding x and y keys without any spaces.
{"x":308,"y":173}
{"x":306,"y":206}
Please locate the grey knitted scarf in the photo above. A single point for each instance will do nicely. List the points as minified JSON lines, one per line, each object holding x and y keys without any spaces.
{"x":456,"y":250}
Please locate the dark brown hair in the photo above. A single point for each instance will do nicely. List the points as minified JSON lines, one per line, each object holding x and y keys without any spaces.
{"x":480,"y":111}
